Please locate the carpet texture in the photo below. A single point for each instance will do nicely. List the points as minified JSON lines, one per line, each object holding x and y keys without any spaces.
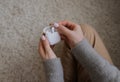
{"x":22,"y":21}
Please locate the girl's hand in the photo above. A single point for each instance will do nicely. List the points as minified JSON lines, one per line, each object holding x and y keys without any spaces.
{"x":70,"y":32}
{"x":45,"y":50}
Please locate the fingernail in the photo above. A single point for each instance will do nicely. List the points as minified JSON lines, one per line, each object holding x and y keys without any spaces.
{"x":56,"y":25}
{"x":43,"y":37}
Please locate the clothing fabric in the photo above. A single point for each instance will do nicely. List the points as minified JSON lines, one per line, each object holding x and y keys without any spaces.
{"x":100,"y":70}
{"x":74,"y":70}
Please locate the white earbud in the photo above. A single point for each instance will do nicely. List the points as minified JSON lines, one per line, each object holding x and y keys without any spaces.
{"x":53,"y":29}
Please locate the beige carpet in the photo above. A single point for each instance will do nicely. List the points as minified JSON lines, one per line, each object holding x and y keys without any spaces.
{"x":22,"y":21}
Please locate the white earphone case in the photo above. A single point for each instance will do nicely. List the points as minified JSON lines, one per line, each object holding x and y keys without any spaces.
{"x":52,"y":35}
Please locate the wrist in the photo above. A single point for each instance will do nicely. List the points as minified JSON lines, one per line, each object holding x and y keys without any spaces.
{"x":49,"y":56}
{"x":77,"y":41}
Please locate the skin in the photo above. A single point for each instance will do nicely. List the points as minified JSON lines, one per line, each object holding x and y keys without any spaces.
{"x":69,"y":31}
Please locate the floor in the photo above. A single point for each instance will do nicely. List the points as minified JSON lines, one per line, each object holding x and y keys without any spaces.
{"x":22,"y":21}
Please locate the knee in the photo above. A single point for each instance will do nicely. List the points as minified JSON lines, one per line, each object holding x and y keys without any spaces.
{"x":87,"y":28}
{"x":89,"y":32}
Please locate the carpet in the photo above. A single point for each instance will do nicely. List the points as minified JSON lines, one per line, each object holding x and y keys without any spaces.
{"x":22,"y":21}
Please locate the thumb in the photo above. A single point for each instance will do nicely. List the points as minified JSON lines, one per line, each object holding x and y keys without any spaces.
{"x":63,"y":30}
{"x":46,"y":44}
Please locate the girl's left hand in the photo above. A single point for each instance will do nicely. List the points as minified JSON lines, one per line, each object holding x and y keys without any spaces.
{"x":45,"y":50}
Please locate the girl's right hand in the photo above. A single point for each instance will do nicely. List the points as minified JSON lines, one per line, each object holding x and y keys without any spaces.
{"x":70,"y":32}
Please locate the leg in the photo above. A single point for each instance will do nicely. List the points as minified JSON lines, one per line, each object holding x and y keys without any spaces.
{"x":96,"y":42}
{"x":70,"y":65}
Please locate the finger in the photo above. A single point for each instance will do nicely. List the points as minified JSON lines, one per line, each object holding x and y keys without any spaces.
{"x":68,"y":24}
{"x":41,"y":49}
{"x":46,"y":44}
{"x":63,"y":30}
{"x":54,"y":24}
{"x":62,"y":37}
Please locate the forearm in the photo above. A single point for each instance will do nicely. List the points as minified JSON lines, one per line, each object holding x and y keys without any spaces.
{"x":53,"y":70}
{"x":99,"y":69}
